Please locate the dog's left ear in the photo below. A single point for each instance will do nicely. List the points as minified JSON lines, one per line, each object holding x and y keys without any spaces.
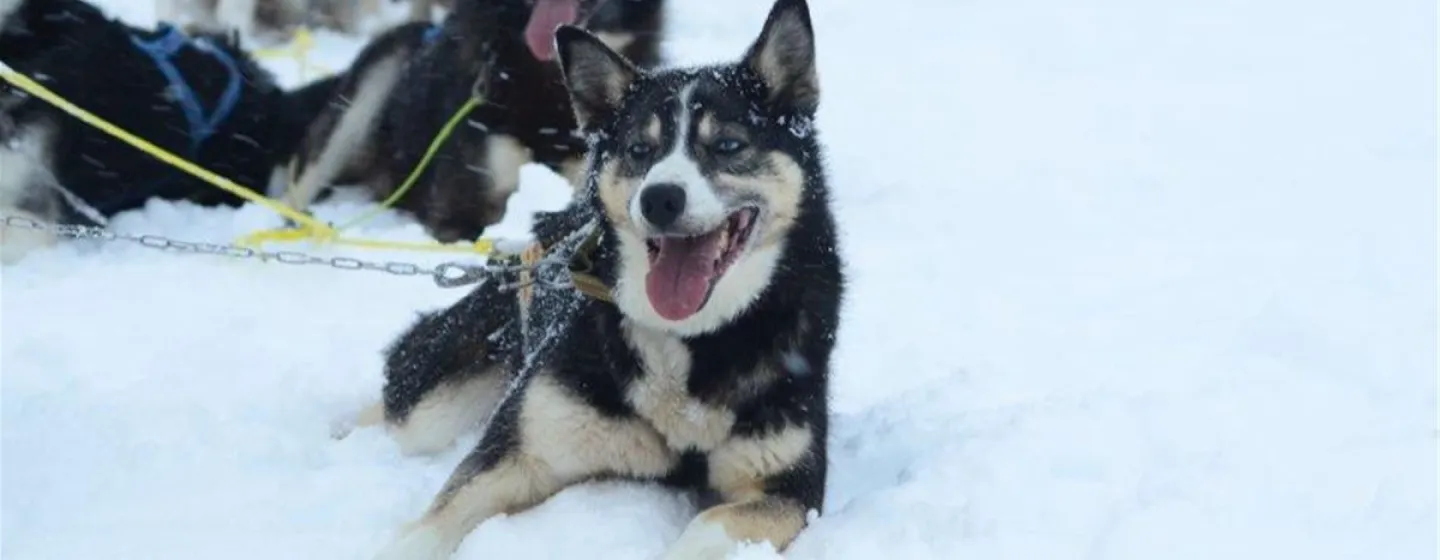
{"x":784,"y":57}
{"x":596,"y":76}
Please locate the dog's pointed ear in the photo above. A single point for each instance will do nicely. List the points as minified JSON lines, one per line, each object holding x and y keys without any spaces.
{"x":784,"y":57}
{"x":596,"y":76}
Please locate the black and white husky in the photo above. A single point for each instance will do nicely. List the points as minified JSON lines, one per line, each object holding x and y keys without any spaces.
{"x":272,"y":18}
{"x":704,"y":365}
{"x":409,"y":81}
{"x":198,"y":96}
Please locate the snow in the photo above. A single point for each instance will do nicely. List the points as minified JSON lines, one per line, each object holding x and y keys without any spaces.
{"x":1130,"y":279}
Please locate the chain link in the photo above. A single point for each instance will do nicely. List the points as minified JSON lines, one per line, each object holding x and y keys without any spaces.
{"x":445,"y":275}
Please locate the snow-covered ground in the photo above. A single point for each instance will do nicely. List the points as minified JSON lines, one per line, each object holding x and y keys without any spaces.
{"x":1131,"y":279}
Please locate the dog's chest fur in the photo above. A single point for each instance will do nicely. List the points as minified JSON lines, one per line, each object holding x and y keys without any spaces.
{"x":661,"y":393}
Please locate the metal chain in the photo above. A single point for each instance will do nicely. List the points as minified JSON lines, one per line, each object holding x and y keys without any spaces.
{"x":445,"y":275}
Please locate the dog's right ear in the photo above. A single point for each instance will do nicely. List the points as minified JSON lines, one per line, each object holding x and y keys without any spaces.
{"x":596,"y":76}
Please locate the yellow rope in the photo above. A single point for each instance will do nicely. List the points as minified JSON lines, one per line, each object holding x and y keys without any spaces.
{"x":299,"y":49}
{"x":286,"y":234}
{"x":311,"y":228}
{"x":445,"y":131}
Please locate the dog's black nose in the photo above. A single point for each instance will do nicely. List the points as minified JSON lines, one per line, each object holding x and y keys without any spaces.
{"x":662,"y":204}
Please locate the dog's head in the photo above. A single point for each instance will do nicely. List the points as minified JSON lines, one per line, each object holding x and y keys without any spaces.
{"x":698,"y":171}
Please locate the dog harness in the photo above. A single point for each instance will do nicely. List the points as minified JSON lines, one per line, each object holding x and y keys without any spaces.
{"x":162,"y":49}
{"x":580,"y":266}
{"x":431,"y":34}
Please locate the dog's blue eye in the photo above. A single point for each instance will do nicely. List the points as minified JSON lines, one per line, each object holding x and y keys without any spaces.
{"x":728,"y":146}
{"x":639,"y":149}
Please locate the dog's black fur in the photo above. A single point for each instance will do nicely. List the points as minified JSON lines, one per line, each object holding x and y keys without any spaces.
{"x":729,"y":401}
{"x":407,"y":83}
{"x":88,"y":58}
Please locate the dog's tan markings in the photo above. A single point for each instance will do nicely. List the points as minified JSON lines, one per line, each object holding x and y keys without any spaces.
{"x":562,"y":441}
{"x":577,"y":441}
{"x":707,"y":128}
{"x":719,"y":531}
{"x":616,"y":40}
{"x":504,"y":156}
{"x":661,"y":395}
{"x":448,"y":411}
{"x":512,"y":484}
{"x":573,"y":170}
{"x":372,"y":415}
{"x":781,"y":183}
{"x":653,"y":129}
{"x":739,"y":467}
{"x":615,"y":192}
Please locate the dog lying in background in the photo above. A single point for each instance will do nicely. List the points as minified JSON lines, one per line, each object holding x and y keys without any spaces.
{"x":409,"y":81}
{"x":200,"y":97}
{"x":271,"y":19}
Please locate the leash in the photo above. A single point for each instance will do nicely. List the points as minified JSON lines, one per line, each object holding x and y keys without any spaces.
{"x":311,"y":228}
{"x":580,"y":265}
{"x":445,"y":275}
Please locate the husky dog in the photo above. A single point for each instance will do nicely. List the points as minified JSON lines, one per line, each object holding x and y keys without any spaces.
{"x":271,"y":18}
{"x":200,"y":97}
{"x":409,"y":81}
{"x":704,"y":365}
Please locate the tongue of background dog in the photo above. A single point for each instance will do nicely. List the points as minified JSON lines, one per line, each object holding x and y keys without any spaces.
{"x":544,"y":18}
{"x":680,"y":277}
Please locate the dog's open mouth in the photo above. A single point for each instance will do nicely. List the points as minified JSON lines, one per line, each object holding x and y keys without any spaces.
{"x":545,"y":16}
{"x":684,"y":270}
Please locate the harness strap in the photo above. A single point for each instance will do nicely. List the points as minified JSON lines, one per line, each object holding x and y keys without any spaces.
{"x":431,"y":33}
{"x":162,"y":50}
{"x":580,"y":267}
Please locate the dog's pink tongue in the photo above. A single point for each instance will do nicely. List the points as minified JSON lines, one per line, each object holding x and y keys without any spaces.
{"x":679,"y":278}
{"x":544,"y":18}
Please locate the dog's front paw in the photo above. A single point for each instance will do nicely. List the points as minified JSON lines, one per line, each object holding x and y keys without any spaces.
{"x":702,"y":541}
{"x":372,"y":415}
{"x":418,"y":542}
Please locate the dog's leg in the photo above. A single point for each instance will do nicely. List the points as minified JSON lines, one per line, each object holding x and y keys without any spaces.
{"x":351,"y":136}
{"x":717,"y":532}
{"x":446,"y":373}
{"x":236,"y":14}
{"x":420,"y":10}
{"x":543,"y":438}
{"x":344,"y":15}
{"x":372,"y":415}
{"x":24,"y":168}
{"x":354,"y":12}
{"x":769,"y":482}
{"x":466,"y":198}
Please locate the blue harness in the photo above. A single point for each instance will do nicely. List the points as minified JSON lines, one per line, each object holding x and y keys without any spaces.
{"x":162,"y":49}
{"x":431,"y":34}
